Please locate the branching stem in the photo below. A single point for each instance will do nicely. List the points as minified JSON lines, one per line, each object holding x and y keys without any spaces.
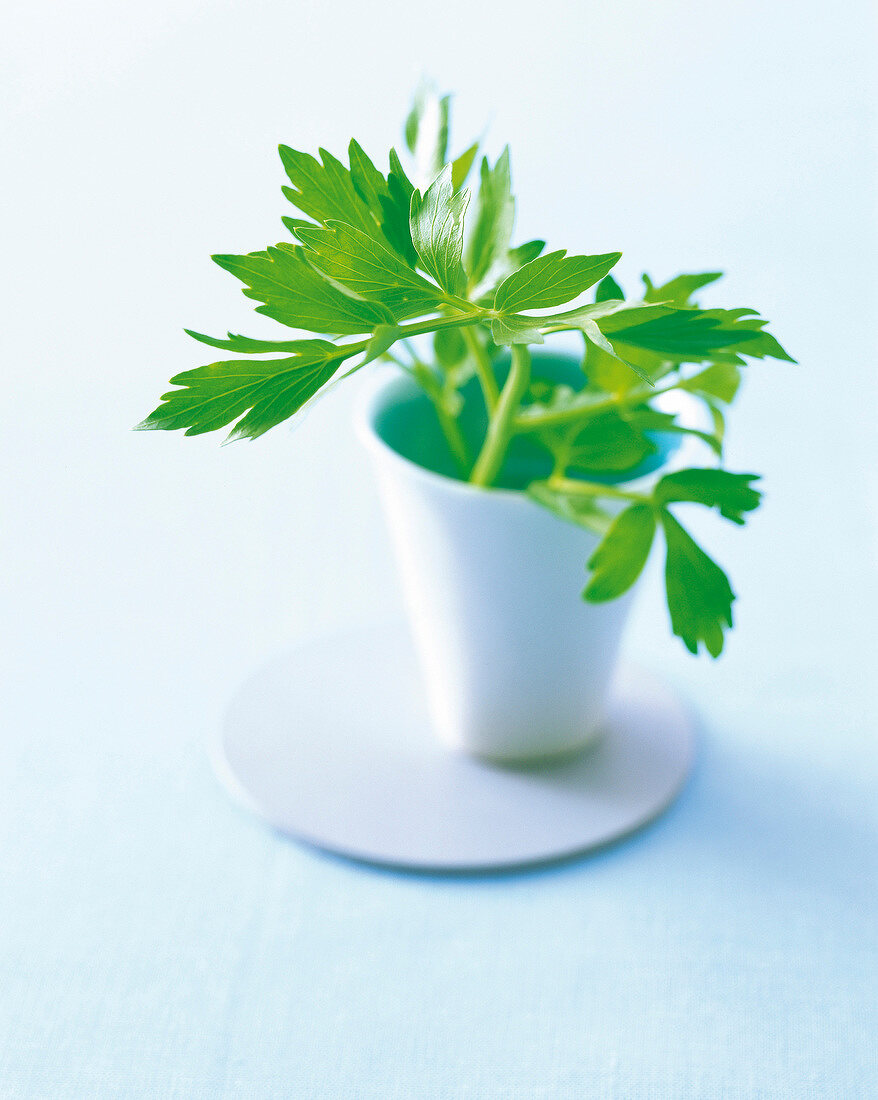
{"x":501,"y":422}
{"x":571,"y":415}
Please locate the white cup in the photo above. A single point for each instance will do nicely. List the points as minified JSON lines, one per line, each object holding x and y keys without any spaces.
{"x":516,"y":664}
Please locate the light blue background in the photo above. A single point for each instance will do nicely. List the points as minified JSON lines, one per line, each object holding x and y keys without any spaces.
{"x":157,"y":942}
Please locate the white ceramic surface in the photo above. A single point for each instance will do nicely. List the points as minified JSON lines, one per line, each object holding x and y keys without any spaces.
{"x":516,"y":664}
{"x":336,"y":750}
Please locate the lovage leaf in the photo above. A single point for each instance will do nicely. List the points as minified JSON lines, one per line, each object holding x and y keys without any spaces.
{"x":593,"y":333}
{"x":731,"y":494}
{"x":245,"y":344}
{"x":368,"y":182}
{"x":551,"y":280}
{"x":719,"y":421}
{"x":523,"y":253}
{"x":609,"y":290}
{"x":395,"y":207}
{"x":690,"y":335}
{"x":699,"y":594}
{"x":369,"y":269}
{"x":574,"y":318}
{"x":437,"y":230}
{"x":488,"y":242}
{"x":272,"y":390}
{"x":719,"y":381}
{"x":449,"y":347}
{"x":516,"y":328}
{"x":648,"y":419}
{"x":292,"y":292}
{"x":426,"y":132}
{"x":383,"y":339}
{"x":760,"y":344}
{"x":607,"y":373}
{"x":295,"y":224}
{"x":579,"y":508}
{"x":389,"y":199}
{"x":360,"y":196}
{"x":608,"y":441}
{"x":679,"y":290}
{"x":326,"y":191}
{"x":523,"y":328}
{"x":712,"y":439}
{"x":621,"y":556}
{"x":460,"y":166}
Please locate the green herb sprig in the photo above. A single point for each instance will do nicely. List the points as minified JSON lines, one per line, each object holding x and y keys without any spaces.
{"x":377,"y":260}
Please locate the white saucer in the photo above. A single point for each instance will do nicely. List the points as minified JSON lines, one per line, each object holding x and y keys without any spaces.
{"x":331,"y":743}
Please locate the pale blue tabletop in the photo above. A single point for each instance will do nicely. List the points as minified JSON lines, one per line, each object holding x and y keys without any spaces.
{"x":156,"y":940}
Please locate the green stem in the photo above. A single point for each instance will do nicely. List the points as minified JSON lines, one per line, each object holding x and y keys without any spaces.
{"x":501,"y":423}
{"x":433,"y":324}
{"x":484,"y":370}
{"x":637,"y":396}
{"x":419,"y":328}
{"x":592,"y":488}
